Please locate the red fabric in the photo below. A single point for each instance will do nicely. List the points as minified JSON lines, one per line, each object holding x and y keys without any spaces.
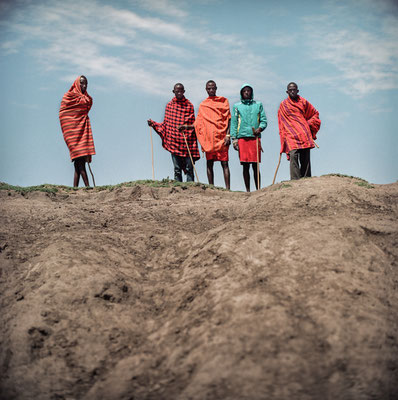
{"x":212,"y":122}
{"x":248,"y":151}
{"x":217,"y":155}
{"x":178,"y":112}
{"x":298,"y":124}
{"x":75,"y":122}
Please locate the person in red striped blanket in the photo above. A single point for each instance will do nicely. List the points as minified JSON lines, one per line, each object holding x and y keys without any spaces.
{"x":76,"y":127}
{"x":298,"y":125}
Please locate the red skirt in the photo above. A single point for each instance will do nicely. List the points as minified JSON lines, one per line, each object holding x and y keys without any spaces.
{"x":248,"y":151}
{"x":217,"y":155}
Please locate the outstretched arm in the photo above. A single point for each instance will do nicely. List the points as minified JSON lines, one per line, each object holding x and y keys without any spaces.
{"x":159,"y":128}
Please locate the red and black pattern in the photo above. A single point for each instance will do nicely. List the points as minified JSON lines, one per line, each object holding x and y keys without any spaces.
{"x":178,"y":112}
{"x":75,"y":122}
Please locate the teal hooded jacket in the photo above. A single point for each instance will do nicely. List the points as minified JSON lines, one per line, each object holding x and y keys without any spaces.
{"x":247,"y":114}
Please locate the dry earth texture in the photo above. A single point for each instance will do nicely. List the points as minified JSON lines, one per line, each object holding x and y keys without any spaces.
{"x":191,"y":292}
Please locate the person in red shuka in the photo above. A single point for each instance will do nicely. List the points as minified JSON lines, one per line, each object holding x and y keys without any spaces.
{"x":76,"y":127}
{"x":298,"y":125}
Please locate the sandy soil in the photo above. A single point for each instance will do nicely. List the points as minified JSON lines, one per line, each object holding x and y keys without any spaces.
{"x":196,"y":293}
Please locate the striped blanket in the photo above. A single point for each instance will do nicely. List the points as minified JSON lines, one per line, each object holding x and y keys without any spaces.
{"x":298,"y":124}
{"x":75,"y":122}
{"x":211,"y":124}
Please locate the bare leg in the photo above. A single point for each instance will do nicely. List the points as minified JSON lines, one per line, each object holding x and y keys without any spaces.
{"x":210,"y":172}
{"x":76,"y":178}
{"x":254,"y":165}
{"x":246,"y":175}
{"x":227,"y":174}
{"x":80,"y":170}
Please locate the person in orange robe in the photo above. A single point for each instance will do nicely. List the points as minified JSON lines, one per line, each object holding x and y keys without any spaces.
{"x":76,"y":127}
{"x":298,"y":125}
{"x":212,"y":126}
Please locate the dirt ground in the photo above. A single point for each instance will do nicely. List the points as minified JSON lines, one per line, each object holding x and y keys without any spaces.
{"x":197,"y":293}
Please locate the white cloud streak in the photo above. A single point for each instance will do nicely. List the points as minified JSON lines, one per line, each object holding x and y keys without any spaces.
{"x":365,"y":58}
{"x":165,"y":7}
{"x":136,"y":50}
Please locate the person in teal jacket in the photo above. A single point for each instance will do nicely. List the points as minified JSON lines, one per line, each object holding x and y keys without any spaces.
{"x":247,"y":122}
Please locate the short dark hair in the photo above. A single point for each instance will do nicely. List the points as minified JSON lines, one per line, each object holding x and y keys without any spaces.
{"x":292,"y":83}
{"x":211,"y":81}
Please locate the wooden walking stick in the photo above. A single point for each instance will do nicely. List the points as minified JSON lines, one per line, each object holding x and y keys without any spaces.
{"x":190,"y":156}
{"x":280,"y":156}
{"x":258,"y":161}
{"x":91,"y":172}
{"x":153,"y":168}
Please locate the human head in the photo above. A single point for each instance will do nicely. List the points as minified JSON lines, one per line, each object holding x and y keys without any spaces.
{"x":292,"y":90}
{"x":83,"y":84}
{"x":211,"y":88}
{"x":179,"y":91}
{"x":246,"y":93}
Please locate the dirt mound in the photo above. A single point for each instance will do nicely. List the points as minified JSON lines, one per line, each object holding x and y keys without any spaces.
{"x":195,"y":293}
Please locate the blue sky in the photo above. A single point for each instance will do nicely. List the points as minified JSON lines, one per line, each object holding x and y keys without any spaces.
{"x":342,"y":54}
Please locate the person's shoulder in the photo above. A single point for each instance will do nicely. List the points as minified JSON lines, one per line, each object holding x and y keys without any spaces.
{"x":284,"y":101}
{"x":223,"y":99}
{"x":305,"y":103}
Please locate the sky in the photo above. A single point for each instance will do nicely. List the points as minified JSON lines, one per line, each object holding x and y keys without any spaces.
{"x":342,"y":54}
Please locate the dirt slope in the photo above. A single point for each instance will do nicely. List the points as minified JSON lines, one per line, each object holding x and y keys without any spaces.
{"x":197,"y":293}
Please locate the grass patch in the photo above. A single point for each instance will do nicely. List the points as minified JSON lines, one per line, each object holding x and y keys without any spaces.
{"x":47,"y":188}
{"x":347,"y":176}
{"x":283,"y":186}
{"x":156,"y":184}
{"x":364,"y":184}
{"x":360,"y":182}
{"x":148,"y":182}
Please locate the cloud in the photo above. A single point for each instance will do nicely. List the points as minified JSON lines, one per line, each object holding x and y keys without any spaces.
{"x":365,"y":58}
{"x":165,"y":7}
{"x":127,"y":45}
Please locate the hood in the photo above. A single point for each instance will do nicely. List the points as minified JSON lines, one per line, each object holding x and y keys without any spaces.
{"x":243,"y":86}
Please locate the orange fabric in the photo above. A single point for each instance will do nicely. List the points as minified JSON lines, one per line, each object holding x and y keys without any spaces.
{"x":75,"y":122}
{"x":211,"y":124}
